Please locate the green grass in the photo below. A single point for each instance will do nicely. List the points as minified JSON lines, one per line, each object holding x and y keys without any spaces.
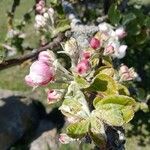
{"x":31,"y":36}
{"x":13,"y":78}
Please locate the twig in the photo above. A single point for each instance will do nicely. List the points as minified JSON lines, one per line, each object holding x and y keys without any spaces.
{"x":14,"y":6}
{"x":17,"y":61}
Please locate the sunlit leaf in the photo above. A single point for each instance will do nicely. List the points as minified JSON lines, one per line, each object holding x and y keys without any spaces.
{"x":82,"y":82}
{"x":115,"y":110}
{"x":104,"y":84}
{"x":75,"y":104}
{"x":79,"y":129}
{"x":106,"y":70}
{"x":97,"y":131}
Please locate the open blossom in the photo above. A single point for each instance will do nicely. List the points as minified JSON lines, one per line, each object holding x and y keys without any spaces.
{"x":83,"y":66}
{"x":40,"y":21}
{"x":109,"y":50}
{"x":126,"y":73}
{"x":53,"y":96}
{"x":40,"y":74}
{"x":95,"y":43}
{"x":120,"y":32}
{"x":121,"y":51}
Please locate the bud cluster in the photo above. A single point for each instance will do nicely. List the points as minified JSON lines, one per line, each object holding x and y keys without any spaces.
{"x":91,"y":72}
{"x":44,"y":19}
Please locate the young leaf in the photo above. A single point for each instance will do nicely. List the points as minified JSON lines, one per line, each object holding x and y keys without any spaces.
{"x":79,"y":129}
{"x":123,"y":90}
{"x":97,"y":131}
{"x":81,"y":82}
{"x":114,"y":14}
{"x":106,"y":70}
{"x":147,"y":22}
{"x":128,"y":17}
{"x":106,"y":60}
{"x":104,"y":84}
{"x":115,"y":110}
{"x":75,"y":104}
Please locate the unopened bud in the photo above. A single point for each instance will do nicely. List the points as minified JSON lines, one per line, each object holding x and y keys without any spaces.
{"x":94,"y":43}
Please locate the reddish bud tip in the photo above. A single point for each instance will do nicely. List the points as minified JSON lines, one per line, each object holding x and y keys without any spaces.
{"x":95,"y":43}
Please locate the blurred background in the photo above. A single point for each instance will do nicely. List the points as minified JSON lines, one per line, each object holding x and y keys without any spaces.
{"x":34,"y":113}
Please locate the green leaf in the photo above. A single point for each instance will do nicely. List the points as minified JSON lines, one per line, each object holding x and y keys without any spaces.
{"x":147,"y":22}
{"x":97,"y":131}
{"x":96,"y":100}
{"x":107,"y":60}
{"x":139,"y":15}
{"x":114,"y":14}
{"x":106,"y":70}
{"x":75,"y":104}
{"x":142,"y":37}
{"x":127,"y":18}
{"x":79,"y":129}
{"x":81,"y":82}
{"x":133,"y":27}
{"x":115,"y":110}
{"x":104,"y":84}
{"x":123,"y":90}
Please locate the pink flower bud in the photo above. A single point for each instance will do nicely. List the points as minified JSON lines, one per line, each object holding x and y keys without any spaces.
{"x":51,"y":11}
{"x":46,"y":56}
{"x":120,"y":32}
{"x":94,"y":43}
{"x":64,"y":138}
{"x":38,"y":8}
{"x":86,"y":55}
{"x":109,"y":50}
{"x":123,"y":69}
{"x":42,"y":3}
{"x":83,"y":66}
{"x":52,"y":96}
{"x":40,"y":74}
{"x":127,"y":74}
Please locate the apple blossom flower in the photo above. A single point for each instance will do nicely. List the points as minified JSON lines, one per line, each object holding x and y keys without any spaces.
{"x":109,"y":50}
{"x":120,"y":32}
{"x":40,"y":74}
{"x":121,"y":51}
{"x":83,"y":66}
{"x":104,"y":27}
{"x":95,"y":43}
{"x":51,"y":11}
{"x":86,"y":55}
{"x":107,"y":29}
{"x":53,"y":96}
{"x":127,"y":74}
{"x":40,"y":21}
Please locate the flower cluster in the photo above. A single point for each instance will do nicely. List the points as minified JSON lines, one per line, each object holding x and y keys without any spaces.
{"x":44,"y":19}
{"x":127,"y":74}
{"x":110,"y":40}
{"x":90,"y":81}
